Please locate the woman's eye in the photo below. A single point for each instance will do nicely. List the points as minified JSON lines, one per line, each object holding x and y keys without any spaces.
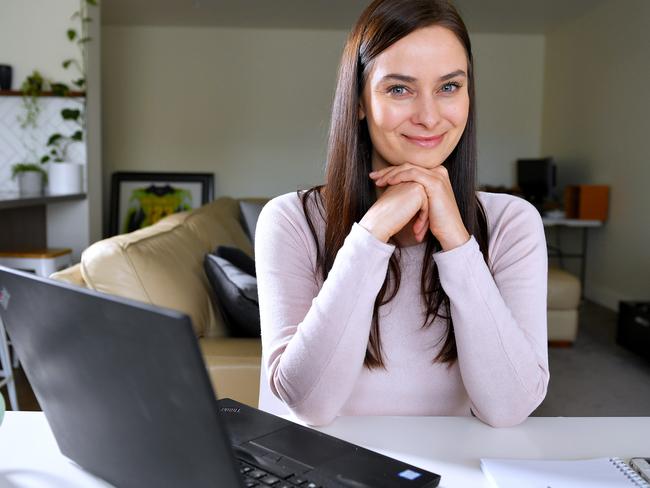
{"x":450,"y":87}
{"x":398,"y":90}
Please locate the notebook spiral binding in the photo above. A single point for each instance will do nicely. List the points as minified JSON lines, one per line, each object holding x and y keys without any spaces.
{"x":629,"y":473}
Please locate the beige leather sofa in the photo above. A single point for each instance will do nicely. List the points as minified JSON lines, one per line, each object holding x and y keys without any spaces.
{"x":163,"y":265}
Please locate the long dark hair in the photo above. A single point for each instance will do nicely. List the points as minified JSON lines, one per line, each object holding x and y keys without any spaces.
{"x":348,"y":192}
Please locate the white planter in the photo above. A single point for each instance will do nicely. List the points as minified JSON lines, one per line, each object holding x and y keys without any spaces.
{"x":30,"y":183}
{"x":65,"y":178}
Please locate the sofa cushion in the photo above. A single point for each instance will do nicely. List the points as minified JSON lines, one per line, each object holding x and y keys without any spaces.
{"x":237,"y":257}
{"x":234,"y":367}
{"x":250,"y":211}
{"x":163,"y":264}
{"x":235,"y":292}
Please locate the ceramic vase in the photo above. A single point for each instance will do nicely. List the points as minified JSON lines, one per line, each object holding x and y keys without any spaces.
{"x":65,"y":178}
{"x":30,"y":183}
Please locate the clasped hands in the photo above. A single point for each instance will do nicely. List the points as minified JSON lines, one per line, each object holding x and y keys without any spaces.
{"x":413,"y":191}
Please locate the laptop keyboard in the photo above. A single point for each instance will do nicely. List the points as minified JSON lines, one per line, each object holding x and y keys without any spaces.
{"x":255,"y":477}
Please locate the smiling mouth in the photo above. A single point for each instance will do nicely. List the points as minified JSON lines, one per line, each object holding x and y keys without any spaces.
{"x":427,"y":142}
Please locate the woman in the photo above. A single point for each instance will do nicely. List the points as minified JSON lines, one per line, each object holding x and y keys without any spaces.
{"x":396,"y":288}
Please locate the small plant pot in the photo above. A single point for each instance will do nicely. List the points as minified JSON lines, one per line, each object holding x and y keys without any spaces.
{"x":30,"y":183}
{"x":65,"y":178}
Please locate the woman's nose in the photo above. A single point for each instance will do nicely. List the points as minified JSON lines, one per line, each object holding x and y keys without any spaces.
{"x":426,"y":112}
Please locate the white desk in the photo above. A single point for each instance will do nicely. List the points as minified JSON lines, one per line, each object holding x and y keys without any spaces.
{"x":449,"y":446}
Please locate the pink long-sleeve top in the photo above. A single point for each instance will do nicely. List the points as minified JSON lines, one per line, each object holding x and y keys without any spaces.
{"x":315,"y":332}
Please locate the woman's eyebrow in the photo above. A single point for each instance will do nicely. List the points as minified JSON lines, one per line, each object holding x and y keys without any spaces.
{"x":411,"y":79}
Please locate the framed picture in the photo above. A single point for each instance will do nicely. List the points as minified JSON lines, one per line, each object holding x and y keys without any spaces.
{"x":142,"y":199}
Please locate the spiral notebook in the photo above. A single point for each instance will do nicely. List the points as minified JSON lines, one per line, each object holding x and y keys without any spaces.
{"x":588,"y":473}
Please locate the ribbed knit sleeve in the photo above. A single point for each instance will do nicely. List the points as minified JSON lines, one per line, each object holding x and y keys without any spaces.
{"x":314,"y":336}
{"x":499,"y":315}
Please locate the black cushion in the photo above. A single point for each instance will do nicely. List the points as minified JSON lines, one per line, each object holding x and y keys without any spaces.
{"x":231,"y":273}
{"x":250,"y":211}
{"x":237,"y":257}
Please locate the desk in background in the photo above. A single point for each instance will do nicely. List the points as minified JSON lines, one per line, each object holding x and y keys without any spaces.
{"x":449,"y":446}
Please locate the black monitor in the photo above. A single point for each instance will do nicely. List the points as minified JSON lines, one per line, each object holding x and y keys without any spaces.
{"x":536,"y":179}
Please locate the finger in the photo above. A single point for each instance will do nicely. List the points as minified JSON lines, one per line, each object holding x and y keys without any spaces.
{"x":422,"y":219}
{"x":391,"y":177}
{"x":380,"y":172}
{"x":392,"y":170}
{"x":410,"y":174}
{"x":381,"y":176}
{"x":420,"y":235}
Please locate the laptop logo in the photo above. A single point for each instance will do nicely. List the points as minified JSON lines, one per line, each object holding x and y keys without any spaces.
{"x":230,"y":409}
{"x":4,"y":298}
{"x":409,"y":474}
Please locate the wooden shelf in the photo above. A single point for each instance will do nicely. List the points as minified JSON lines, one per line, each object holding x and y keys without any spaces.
{"x":18,"y":93}
{"x":14,"y":200}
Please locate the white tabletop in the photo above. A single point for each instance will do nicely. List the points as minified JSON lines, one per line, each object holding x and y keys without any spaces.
{"x":449,"y":446}
{"x":553,"y":221}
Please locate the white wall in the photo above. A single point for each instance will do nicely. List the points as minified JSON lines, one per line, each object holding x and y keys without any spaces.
{"x":249,"y":105}
{"x":252,"y":106}
{"x":596,"y":124}
{"x":33,"y":36}
{"x":509,"y":92}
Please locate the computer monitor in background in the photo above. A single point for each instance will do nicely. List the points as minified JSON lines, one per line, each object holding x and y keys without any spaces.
{"x":536,"y":180}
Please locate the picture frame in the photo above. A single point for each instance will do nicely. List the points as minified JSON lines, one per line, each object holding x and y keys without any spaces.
{"x":141,"y":199}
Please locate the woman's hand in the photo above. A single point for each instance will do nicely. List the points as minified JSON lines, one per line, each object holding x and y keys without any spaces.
{"x":443,"y":216}
{"x":395,"y":208}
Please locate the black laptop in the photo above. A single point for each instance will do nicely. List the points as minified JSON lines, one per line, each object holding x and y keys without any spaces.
{"x":127,"y":395}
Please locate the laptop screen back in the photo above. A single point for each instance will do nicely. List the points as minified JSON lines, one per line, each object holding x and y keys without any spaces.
{"x":108,"y":373}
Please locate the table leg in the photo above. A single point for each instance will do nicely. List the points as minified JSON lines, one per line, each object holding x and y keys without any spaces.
{"x":583,"y":263}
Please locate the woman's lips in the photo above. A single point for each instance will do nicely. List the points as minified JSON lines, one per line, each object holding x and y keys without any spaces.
{"x":427,"y":142}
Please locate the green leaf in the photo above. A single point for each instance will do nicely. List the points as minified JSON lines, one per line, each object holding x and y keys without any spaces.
{"x":72,"y":34}
{"x":60,"y":89}
{"x":70,"y":113}
{"x":52,"y":140}
{"x":92,"y":2}
{"x":45,"y":159}
{"x":77,"y":136}
{"x":80,"y":82}
{"x":66,"y":64}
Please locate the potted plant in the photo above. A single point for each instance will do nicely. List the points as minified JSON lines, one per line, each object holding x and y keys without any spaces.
{"x":64,"y":176}
{"x":31,"y":177}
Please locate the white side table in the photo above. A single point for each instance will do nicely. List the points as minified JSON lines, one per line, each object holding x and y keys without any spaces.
{"x":42,"y":262}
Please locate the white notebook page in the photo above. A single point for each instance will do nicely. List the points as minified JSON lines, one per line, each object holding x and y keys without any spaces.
{"x":588,"y":473}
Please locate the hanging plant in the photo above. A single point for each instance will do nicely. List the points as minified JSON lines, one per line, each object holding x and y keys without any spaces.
{"x":31,"y":90}
{"x":58,"y":143}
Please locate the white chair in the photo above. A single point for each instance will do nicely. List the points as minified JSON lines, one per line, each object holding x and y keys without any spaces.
{"x":6,"y":371}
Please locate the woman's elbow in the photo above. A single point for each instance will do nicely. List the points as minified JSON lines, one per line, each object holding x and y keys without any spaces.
{"x":512,"y":414}
{"x":313,"y":417}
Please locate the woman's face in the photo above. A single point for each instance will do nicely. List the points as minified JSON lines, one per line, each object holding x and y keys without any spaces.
{"x":415,"y":99}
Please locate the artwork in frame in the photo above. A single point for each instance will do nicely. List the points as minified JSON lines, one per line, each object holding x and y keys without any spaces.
{"x":141,"y":199}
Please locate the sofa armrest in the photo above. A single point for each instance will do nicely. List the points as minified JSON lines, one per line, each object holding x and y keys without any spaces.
{"x":70,"y":275}
{"x":234,"y":367}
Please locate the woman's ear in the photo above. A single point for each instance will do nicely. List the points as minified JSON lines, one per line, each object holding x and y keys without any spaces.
{"x":362,"y":112}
